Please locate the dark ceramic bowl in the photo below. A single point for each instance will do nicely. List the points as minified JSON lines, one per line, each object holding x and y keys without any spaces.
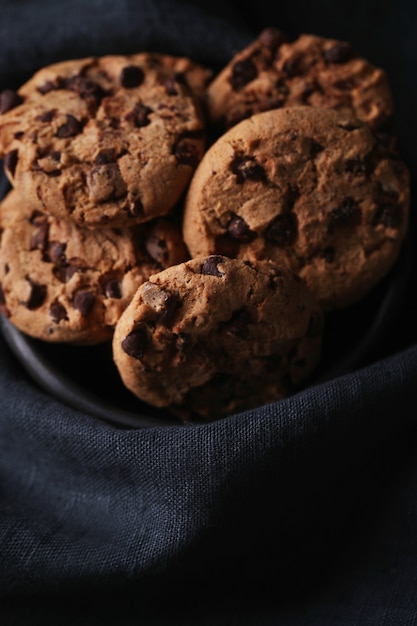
{"x":87,"y":379}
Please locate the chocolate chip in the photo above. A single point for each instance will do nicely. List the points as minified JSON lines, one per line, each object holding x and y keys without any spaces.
{"x":338,"y":53}
{"x":10,"y":161}
{"x":346,"y":215}
{"x":157,"y":249}
{"x":50,"y":85}
{"x":238,"y":229}
{"x":105,"y":156}
{"x":112,"y":288}
{"x":389,"y":213}
{"x":139,"y":115}
{"x":64,"y":273}
{"x":272,"y":38}
{"x":84,"y":301}
{"x":2,"y":296}
{"x":283,"y":230}
{"x":55,"y":253}
{"x":171,"y":86}
{"x":47,"y":116}
{"x":58,"y":312}
{"x":243,"y":72}
{"x":131,"y":76}
{"x":9,"y":99}
{"x":238,"y":324}
{"x":246,"y":168}
{"x":37,"y":295}
{"x":210,"y":266}
{"x":186,"y":153}
{"x":315,"y":147}
{"x":105,"y":183}
{"x":71,"y":128}
{"x":85,"y":87}
{"x":135,"y":343}
{"x":172,"y":303}
{"x":293,"y":66}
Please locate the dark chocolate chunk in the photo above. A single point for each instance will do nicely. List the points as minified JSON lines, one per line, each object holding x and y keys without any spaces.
{"x":210,"y":266}
{"x":157,"y":249}
{"x":105,"y":156}
{"x":2,"y":296}
{"x":71,"y":128}
{"x":347,"y":214}
{"x":283,"y":230}
{"x":37,"y":295}
{"x":338,"y":53}
{"x":10,"y":161}
{"x":46,"y":116}
{"x":238,"y":324}
{"x":105,"y":182}
{"x":246,"y":168}
{"x":238,"y":229}
{"x":9,"y":99}
{"x":84,"y":301}
{"x":272,"y":38}
{"x":135,"y":343}
{"x":58,"y":312}
{"x":171,"y":86}
{"x":131,"y":76}
{"x":139,"y":115}
{"x":243,"y":72}
{"x":186,"y":152}
{"x":55,"y":252}
{"x":112,"y":288}
{"x":85,"y":87}
{"x":389,"y":213}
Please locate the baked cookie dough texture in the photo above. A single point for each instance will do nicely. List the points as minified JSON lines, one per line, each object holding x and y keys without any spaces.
{"x":63,"y":283}
{"x":273,"y":72}
{"x":307,"y":187}
{"x":215,"y":335}
{"x":109,"y":141}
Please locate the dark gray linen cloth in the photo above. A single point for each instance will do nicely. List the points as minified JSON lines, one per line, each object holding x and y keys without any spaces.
{"x":303,"y":512}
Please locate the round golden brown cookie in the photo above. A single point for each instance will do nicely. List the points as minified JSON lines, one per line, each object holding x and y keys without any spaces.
{"x":214,"y":336}
{"x":109,"y":141}
{"x":63,"y":283}
{"x":272,"y":72}
{"x":307,"y":186}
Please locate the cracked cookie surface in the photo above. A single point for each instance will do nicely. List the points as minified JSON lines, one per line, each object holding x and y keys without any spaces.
{"x":63,"y":283}
{"x":306,"y":186}
{"x":107,"y":141}
{"x":272,"y":72}
{"x":214,"y":335}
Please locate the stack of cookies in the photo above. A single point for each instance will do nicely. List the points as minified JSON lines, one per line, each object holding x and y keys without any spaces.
{"x":203,"y":224}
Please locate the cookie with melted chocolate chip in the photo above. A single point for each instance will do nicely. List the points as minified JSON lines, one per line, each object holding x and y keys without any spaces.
{"x":307,"y":186}
{"x":107,"y":142}
{"x":214,"y":335}
{"x":63,"y":283}
{"x":273,"y":72}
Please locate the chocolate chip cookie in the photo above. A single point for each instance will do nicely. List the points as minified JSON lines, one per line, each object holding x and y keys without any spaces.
{"x":214,"y":335}
{"x":307,"y":186}
{"x":273,"y":72}
{"x":63,"y":283}
{"x":109,"y":141}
